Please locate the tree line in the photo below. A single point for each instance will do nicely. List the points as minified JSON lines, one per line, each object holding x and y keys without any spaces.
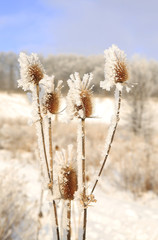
{"x":142,"y":71}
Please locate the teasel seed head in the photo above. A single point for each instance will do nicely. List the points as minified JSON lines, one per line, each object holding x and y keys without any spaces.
{"x":35,"y":73}
{"x":121,"y":72}
{"x":68,"y":182}
{"x":116,"y":68}
{"x":57,"y":148}
{"x":86,"y":100}
{"x":52,"y":98}
{"x":79,"y":98}
{"x":52,"y":102}
{"x":31,"y":71}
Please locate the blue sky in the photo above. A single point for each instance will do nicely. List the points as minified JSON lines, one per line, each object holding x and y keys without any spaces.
{"x":85,"y":27}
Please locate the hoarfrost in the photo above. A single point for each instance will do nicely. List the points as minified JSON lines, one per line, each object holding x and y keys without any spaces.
{"x":79,"y":159}
{"x":42,"y":155}
{"x":113,"y":123}
{"x":113,"y":55}
{"x":26,"y":62}
{"x":76,"y":86}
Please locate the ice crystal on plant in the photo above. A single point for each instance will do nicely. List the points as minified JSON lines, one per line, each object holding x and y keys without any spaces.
{"x":51,"y":99}
{"x":31,"y":71}
{"x":67,"y":174}
{"x":116,"y":71}
{"x":79,"y":96}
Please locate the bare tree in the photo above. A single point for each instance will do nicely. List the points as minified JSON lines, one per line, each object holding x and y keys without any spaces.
{"x":141,"y":76}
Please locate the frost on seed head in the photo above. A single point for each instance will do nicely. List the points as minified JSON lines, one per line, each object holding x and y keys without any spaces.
{"x":51,"y":99}
{"x":116,"y":70}
{"x":68,"y":182}
{"x":31,"y":71}
{"x":79,"y":98}
{"x":67,"y":174}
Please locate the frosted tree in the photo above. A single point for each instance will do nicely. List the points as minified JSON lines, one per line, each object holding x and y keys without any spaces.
{"x":141,"y":75}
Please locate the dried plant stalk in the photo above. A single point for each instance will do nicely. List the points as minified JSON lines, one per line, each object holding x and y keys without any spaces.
{"x":44,"y":148}
{"x":111,"y":134}
{"x":40,"y":214}
{"x":84,"y":179}
{"x":50,"y":151}
{"x":42,"y":132}
{"x":69,"y":220}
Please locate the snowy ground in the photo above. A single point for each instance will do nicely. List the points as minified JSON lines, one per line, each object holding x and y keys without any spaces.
{"x":117,"y":215}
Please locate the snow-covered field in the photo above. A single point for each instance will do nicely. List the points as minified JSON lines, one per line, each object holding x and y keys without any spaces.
{"x":117,"y":214}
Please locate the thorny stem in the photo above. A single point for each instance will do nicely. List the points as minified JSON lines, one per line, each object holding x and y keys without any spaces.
{"x":111,"y":139}
{"x":40,"y":214}
{"x":84,"y":179}
{"x":45,"y":155}
{"x":69,"y":220}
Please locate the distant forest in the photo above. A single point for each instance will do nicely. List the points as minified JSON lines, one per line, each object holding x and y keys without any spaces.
{"x":142,"y":71}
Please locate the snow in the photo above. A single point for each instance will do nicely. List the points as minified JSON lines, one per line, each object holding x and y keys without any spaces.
{"x":115,"y":216}
{"x":118,"y":216}
{"x":13,"y":106}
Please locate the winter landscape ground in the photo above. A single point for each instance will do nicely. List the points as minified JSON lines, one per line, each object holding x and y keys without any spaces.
{"x":127,"y":201}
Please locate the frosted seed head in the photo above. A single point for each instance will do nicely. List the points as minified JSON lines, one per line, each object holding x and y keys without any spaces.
{"x":68,"y":182}
{"x":35,"y":73}
{"x":121,"y":72}
{"x":31,"y":71}
{"x":51,"y":103}
{"x":116,"y":69}
{"x":79,"y":98}
{"x":86,"y":98}
{"x":52,"y":97}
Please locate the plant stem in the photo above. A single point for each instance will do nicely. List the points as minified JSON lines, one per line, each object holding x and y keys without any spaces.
{"x":42,"y":132}
{"x":45,"y":155}
{"x":84,"y":179}
{"x":56,"y":220}
{"x":111,"y":134}
{"x":40,"y":214}
{"x":50,"y":151}
{"x":51,"y":176}
{"x":69,"y":220}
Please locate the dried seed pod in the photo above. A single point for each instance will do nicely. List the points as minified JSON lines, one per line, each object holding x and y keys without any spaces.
{"x":52,"y":97}
{"x":35,"y":73}
{"x":68,"y":182}
{"x":52,"y":102}
{"x":116,"y":68}
{"x":79,"y":98}
{"x":31,"y":71}
{"x":86,"y":98}
{"x":57,"y":148}
{"x":121,"y":72}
